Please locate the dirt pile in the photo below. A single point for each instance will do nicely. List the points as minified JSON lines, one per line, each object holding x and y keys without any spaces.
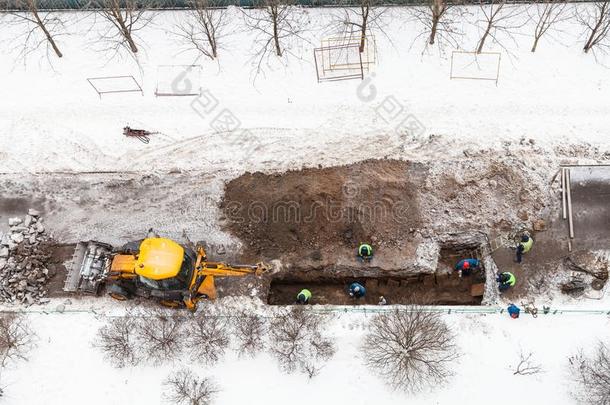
{"x":373,"y":201}
{"x":486,"y":195}
{"x":384,"y":202}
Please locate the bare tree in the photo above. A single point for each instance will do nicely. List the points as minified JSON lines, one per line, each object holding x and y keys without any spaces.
{"x":275,"y":24}
{"x":546,"y":16}
{"x":437,"y":10}
{"x":592,"y":374}
{"x":439,"y":18}
{"x":16,"y":338}
{"x":297,"y":341}
{"x":117,"y":340}
{"x":125,"y":18}
{"x":526,"y":366}
{"x":203,"y":27}
{"x":361,"y":18}
{"x":249,"y":330}
{"x":40,"y":27}
{"x":161,"y":335}
{"x":499,"y":19}
{"x":595,"y":18}
{"x":208,"y":337}
{"x":184,"y":388}
{"x":410,"y":349}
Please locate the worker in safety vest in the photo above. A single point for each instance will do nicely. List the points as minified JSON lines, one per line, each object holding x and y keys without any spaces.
{"x":467,"y":266}
{"x":506,"y":280}
{"x":356,"y":290}
{"x":365,"y":252}
{"x":524,"y":246}
{"x":304,"y":297}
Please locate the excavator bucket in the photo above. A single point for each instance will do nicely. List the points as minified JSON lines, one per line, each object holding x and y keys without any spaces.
{"x":89,"y":268}
{"x":262,"y":268}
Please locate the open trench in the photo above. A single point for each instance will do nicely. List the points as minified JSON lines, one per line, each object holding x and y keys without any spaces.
{"x":424,"y":289}
{"x":438,"y":284}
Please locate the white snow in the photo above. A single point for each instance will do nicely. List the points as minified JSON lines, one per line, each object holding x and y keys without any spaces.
{"x":65,"y":368}
{"x":51,"y":119}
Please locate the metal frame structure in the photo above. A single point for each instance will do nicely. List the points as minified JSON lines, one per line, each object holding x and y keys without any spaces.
{"x":99,"y":93}
{"x":324,"y":67}
{"x":185,"y":67}
{"x":451,"y":76}
{"x":339,"y":58}
{"x":368,"y":56}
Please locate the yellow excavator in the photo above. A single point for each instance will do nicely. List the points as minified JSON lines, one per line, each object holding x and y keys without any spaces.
{"x":156,"y":268}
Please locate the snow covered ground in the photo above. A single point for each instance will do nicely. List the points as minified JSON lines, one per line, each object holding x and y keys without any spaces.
{"x":52,"y":119}
{"x":65,"y":368}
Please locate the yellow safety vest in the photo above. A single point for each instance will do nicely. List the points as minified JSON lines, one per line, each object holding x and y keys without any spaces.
{"x":527,"y":246}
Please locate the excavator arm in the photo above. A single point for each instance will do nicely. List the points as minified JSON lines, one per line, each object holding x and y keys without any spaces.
{"x":202,"y":285}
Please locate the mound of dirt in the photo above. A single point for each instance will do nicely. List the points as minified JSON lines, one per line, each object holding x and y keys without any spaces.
{"x":314,"y":208}
{"x":485,"y":194}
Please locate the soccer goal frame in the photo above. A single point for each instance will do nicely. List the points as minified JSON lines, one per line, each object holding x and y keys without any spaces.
{"x":326,"y":71}
{"x":475,"y":55}
{"x":339,"y":57}
{"x":369,"y":55}
{"x":192,"y":89}
{"x":136,"y":88}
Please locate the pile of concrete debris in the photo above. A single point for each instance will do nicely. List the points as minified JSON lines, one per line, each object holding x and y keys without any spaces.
{"x":23,"y":256}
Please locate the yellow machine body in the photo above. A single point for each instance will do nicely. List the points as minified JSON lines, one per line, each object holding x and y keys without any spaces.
{"x":161,"y":260}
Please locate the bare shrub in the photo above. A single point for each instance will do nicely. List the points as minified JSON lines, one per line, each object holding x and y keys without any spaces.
{"x":161,"y":335}
{"x":595,"y":20}
{"x":125,"y":19}
{"x":117,"y":340}
{"x":207,"y":337}
{"x":38,"y":29}
{"x":361,"y":18}
{"x":203,"y":27}
{"x":16,"y":338}
{"x":275,"y":24}
{"x":185,"y":388}
{"x":546,"y":15}
{"x":297,"y":341}
{"x":249,"y":331}
{"x":410,"y":349}
{"x":592,"y":374}
{"x":526,"y":365}
{"x":500,"y":20}
{"x":440,"y":21}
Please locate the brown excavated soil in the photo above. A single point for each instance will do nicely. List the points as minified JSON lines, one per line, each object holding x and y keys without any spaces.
{"x":313,"y":209}
{"x":313,"y":219}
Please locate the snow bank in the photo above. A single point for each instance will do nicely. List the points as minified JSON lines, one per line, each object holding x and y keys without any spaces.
{"x":67,"y":370}
{"x":51,"y":119}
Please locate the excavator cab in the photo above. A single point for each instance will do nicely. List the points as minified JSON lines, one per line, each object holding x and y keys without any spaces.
{"x":158,"y":268}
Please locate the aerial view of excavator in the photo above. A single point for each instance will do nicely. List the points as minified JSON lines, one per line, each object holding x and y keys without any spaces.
{"x":157,"y":268}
